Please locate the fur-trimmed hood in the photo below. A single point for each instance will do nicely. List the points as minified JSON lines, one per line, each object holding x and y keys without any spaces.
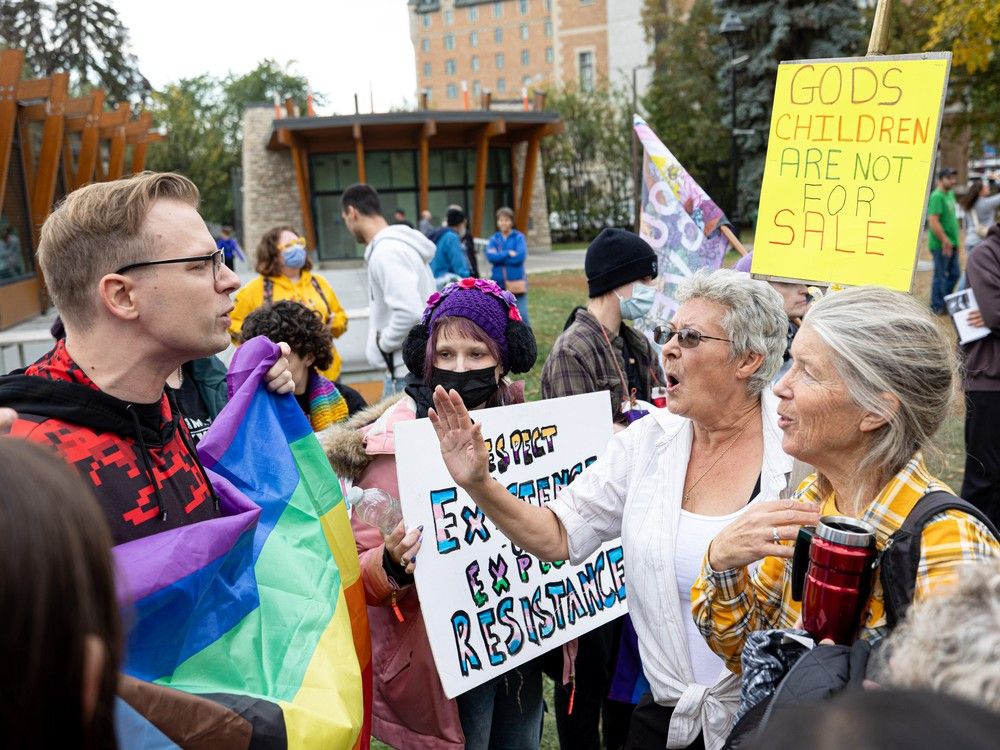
{"x":346,"y":443}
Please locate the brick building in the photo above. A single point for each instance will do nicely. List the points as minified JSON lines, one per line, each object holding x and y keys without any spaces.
{"x":464,"y":47}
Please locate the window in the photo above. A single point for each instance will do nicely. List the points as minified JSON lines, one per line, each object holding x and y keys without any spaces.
{"x":497,"y":35}
{"x":498,"y":10}
{"x":427,"y":20}
{"x":548,"y":27}
{"x":522,"y":6}
{"x":425,"y":45}
{"x":427,"y":70}
{"x":548,"y":6}
{"x":475,"y":63}
{"x":477,"y":90}
{"x":473,"y":13}
{"x":524,"y":31}
{"x":449,"y":41}
{"x":585,"y":64}
{"x":449,"y":67}
{"x":474,"y":38}
{"x":449,"y":18}
{"x":501,"y":86}
{"x":525,"y":57}
{"x":452,"y":91}
{"x":550,"y":55}
{"x":499,"y":61}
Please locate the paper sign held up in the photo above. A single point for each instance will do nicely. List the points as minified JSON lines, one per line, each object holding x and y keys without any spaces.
{"x":488,"y":606}
{"x":849,"y":163}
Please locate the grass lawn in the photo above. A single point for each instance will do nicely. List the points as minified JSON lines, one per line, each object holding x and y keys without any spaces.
{"x":554,"y":295}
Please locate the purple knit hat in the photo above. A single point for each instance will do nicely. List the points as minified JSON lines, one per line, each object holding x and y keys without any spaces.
{"x":480,"y":300}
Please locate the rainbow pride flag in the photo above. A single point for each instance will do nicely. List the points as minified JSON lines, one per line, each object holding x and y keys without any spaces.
{"x":250,"y":630}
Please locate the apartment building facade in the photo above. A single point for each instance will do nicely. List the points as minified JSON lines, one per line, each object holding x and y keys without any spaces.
{"x":466,"y":47}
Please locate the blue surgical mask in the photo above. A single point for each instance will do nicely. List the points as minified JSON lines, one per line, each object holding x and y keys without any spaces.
{"x":294,"y":257}
{"x":640,"y":303}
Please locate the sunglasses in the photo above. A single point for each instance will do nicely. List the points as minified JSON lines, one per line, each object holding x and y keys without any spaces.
{"x":215,"y":259}
{"x":291,"y":243}
{"x":688,"y":338}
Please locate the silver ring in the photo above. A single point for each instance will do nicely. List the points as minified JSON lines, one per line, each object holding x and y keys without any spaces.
{"x":775,"y":535}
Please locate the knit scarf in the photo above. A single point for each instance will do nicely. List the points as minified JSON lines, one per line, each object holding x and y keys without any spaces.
{"x":326,"y":405}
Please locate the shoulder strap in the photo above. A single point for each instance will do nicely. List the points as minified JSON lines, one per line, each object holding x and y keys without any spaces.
{"x":319,"y":291}
{"x":900,"y":558}
{"x":268,"y":290}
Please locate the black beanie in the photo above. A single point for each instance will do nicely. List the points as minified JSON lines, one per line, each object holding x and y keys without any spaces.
{"x":617,"y":257}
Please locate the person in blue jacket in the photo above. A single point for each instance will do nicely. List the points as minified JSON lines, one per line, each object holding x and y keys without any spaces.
{"x":450,"y":262}
{"x":507,"y":250}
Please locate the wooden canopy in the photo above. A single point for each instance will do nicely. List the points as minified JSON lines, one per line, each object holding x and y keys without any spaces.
{"x":75,"y":139}
{"x":418,"y":130}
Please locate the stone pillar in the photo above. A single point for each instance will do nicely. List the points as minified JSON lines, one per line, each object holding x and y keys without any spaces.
{"x":270,"y":195}
{"x":537,"y":236}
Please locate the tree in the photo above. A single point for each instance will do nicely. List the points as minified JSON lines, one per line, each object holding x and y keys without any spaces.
{"x":195,"y":145}
{"x":682,"y":102}
{"x":262,"y":84}
{"x":779,"y":30}
{"x":203,"y":118}
{"x":971,"y":28}
{"x":588,"y":169}
{"x":85,"y":39}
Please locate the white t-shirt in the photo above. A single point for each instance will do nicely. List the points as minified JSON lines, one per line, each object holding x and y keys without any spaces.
{"x":694,"y":532}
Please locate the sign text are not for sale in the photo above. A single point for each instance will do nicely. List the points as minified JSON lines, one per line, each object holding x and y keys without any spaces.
{"x":849,"y":161}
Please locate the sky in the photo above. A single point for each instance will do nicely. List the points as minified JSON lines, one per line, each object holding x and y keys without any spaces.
{"x":342,"y":47}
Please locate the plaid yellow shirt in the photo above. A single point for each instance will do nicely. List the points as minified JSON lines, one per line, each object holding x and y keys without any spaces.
{"x":730,"y":604}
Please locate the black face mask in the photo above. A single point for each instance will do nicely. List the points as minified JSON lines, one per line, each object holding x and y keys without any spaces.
{"x":474,"y":386}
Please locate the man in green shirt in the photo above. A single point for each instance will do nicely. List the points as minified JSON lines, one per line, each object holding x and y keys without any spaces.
{"x":943,"y":239}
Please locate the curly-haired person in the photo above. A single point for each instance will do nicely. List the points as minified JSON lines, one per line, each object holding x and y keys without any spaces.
{"x":312,"y":351}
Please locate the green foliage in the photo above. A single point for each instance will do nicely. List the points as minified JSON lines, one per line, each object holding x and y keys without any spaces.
{"x":85,"y":39}
{"x":588,"y":168}
{"x":779,"y":30}
{"x":682,"y":103}
{"x":203,"y":118}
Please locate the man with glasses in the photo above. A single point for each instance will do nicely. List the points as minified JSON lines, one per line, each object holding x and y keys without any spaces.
{"x":598,"y":352}
{"x":141,"y":289}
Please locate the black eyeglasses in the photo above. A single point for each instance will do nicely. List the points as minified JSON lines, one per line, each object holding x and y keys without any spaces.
{"x":688,"y":338}
{"x":215,"y":258}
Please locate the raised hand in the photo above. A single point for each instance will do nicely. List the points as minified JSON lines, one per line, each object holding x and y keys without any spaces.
{"x":462,"y":445}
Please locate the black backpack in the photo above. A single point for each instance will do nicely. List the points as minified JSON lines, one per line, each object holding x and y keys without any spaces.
{"x":824,"y":672}
{"x":900,"y":558}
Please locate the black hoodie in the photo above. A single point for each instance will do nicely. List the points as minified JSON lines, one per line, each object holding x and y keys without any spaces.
{"x":138,"y":458}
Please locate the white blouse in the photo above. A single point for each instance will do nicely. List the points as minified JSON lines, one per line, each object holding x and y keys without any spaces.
{"x":634,"y":490}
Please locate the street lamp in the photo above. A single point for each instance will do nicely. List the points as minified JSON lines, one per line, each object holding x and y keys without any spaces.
{"x":732,"y":29}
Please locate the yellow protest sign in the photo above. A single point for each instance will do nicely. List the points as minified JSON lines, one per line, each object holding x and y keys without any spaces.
{"x":849,"y":161}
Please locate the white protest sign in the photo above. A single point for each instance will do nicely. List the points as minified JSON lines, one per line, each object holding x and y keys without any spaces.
{"x":489,"y":606}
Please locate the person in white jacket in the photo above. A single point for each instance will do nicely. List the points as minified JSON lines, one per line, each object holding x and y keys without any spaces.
{"x":666,"y":485}
{"x":399,"y":279}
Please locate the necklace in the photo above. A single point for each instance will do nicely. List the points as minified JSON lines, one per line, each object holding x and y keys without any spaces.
{"x":746,"y":423}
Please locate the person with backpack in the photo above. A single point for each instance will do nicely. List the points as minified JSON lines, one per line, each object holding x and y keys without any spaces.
{"x":872,"y":380}
{"x":285,"y":273}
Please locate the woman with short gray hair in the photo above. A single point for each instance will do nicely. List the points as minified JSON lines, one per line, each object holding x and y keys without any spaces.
{"x":666,"y":485}
{"x":871,"y":382}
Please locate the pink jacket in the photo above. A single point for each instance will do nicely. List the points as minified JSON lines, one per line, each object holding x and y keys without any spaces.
{"x":409,"y":707}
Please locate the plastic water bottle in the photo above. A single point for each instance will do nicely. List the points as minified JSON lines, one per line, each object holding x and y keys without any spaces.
{"x":375,"y":507}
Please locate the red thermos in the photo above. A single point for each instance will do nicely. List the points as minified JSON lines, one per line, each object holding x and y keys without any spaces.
{"x":839,"y":578}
